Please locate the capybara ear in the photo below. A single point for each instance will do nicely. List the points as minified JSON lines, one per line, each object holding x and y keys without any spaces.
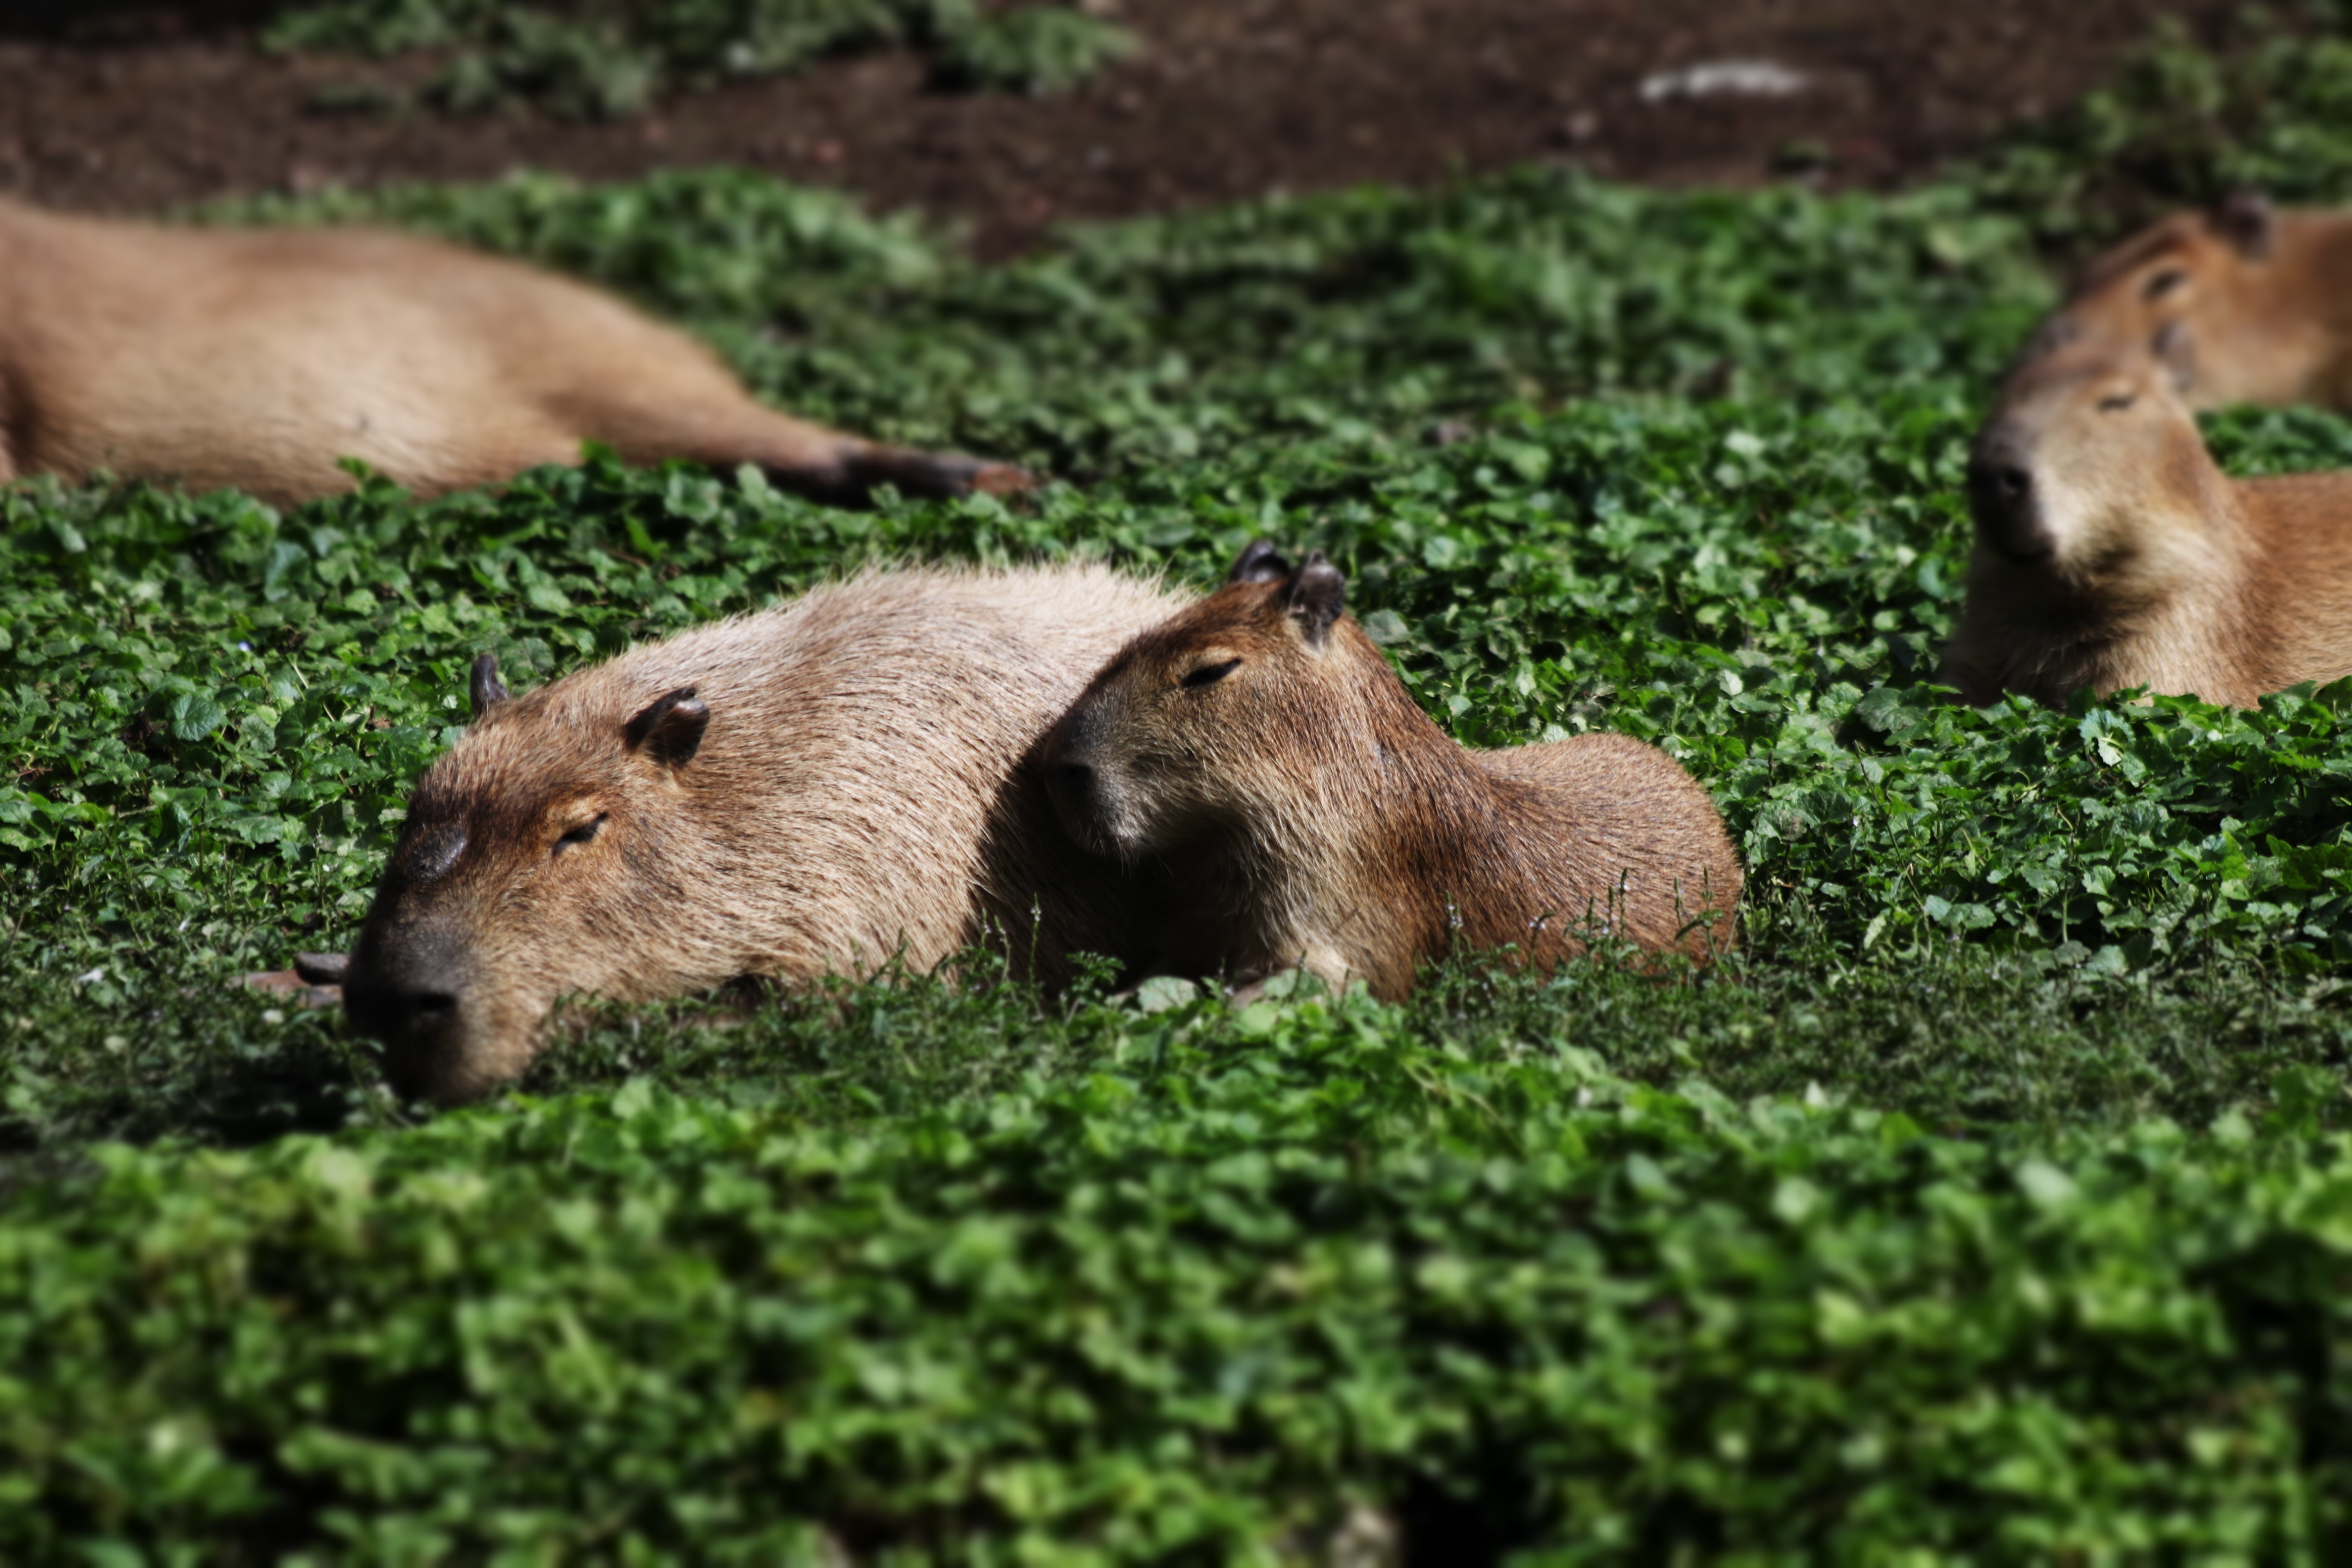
{"x":2176,"y":349}
{"x":2245,"y":218}
{"x":1261,"y":563}
{"x":486,"y":689}
{"x":670,"y":729}
{"x":1318,"y":595}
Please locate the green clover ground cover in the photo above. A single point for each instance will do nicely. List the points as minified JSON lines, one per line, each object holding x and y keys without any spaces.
{"x":1990,"y":1202}
{"x":2184,"y":124}
{"x":608,"y":59}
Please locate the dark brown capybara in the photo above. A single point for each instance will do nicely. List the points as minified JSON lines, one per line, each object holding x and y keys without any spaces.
{"x":1258,"y":750}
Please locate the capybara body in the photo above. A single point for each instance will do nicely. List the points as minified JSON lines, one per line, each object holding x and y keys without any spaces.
{"x":821,"y":788}
{"x":2111,"y":550}
{"x":257,"y":358}
{"x":1259,"y":751}
{"x":2243,"y":303}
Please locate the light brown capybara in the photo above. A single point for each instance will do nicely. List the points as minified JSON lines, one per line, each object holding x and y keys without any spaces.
{"x":2243,"y":303}
{"x":821,"y":788}
{"x":1259,"y":751}
{"x":2111,"y":550}
{"x":257,"y":358}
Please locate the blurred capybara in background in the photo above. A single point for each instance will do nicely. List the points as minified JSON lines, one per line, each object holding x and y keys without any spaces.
{"x":255,"y":358}
{"x":1259,"y":749}
{"x":2243,"y":303}
{"x":2113,"y":552}
{"x":817,"y":789}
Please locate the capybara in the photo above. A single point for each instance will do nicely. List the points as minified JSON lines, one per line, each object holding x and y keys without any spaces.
{"x":1259,"y":753}
{"x":2242,"y":302}
{"x":2112,"y":551}
{"x":256,"y":358}
{"x":820,"y":788}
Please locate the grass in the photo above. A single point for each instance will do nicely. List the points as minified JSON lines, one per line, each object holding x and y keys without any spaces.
{"x":1987,"y":1203}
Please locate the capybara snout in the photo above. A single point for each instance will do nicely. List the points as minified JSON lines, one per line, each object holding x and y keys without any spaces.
{"x":501,"y":876}
{"x":2002,"y":494}
{"x":413,"y":1003}
{"x":405,"y":984}
{"x":1086,"y":812}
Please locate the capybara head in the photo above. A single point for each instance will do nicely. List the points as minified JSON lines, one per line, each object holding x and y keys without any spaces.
{"x":2196,"y":279}
{"x":2091,"y":470}
{"x":1170,"y":742}
{"x":539,"y":857}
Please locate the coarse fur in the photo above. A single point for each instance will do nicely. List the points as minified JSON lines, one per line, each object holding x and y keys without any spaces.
{"x":818,"y":789}
{"x":2243,"y":303}
{"x":2112,"y":551}
{"x":1259,"y":753}
{"x":256,"y":358}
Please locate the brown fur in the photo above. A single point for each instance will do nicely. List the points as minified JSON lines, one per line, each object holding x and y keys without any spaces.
{"x":257,"y":358}
{"x":1260,"y":750}
{"x":2112,"y":551}
{"x":849,"y":783}
{"x":2244,"y":304}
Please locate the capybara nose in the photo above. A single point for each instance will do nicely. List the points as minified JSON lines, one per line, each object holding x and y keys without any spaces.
{"x":398,"y":1015}
{"x":2001,"y":498}
{"x":416,"y":1027}
{"x":2005,"y":486}
{"x":1073,"y":786}
{"x":430,"y":1010}
{"x":399,"y":1012}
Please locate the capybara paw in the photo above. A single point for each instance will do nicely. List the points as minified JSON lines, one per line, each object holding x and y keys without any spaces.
{"x":323,"y":968}
{"x":294,"y":984}
{"x":941,"y":476}
{"x":1004,"y":479}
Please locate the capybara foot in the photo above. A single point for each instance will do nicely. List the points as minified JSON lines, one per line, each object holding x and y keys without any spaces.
{"x":1003,"y":480}
{"x":293,"y":984}
{"x":937,"y":475}
{"x":321,"y":968}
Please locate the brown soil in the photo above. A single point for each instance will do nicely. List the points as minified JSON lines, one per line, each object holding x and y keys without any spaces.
{"x":113,"y":107}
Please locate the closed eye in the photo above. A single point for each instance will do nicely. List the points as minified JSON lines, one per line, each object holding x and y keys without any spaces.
{"x":581,"y":834}
{"x":2163,"y":283}
{"x":2118,"y":403}
{"x":1210,"y":674}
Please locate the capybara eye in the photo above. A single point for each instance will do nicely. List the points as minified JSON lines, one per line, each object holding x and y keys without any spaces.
{"x":2115,"y":402}
{"x":2163,"y":283}
{"x":581,"y":834}
{"x":1210,"y":674}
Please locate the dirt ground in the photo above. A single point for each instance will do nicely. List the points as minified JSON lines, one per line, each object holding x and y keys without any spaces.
{"x":126,"y":107}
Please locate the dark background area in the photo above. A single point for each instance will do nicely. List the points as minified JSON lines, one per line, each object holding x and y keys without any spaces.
{"x":116,"y":107}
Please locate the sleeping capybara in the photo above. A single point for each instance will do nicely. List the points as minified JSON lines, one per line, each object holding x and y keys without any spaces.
{"x":2111,"y":551}
{"x":256,"y":358}
{"x":2243,"y":303}
{"x":1259,"y":753}
{"x":822,"y":788}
